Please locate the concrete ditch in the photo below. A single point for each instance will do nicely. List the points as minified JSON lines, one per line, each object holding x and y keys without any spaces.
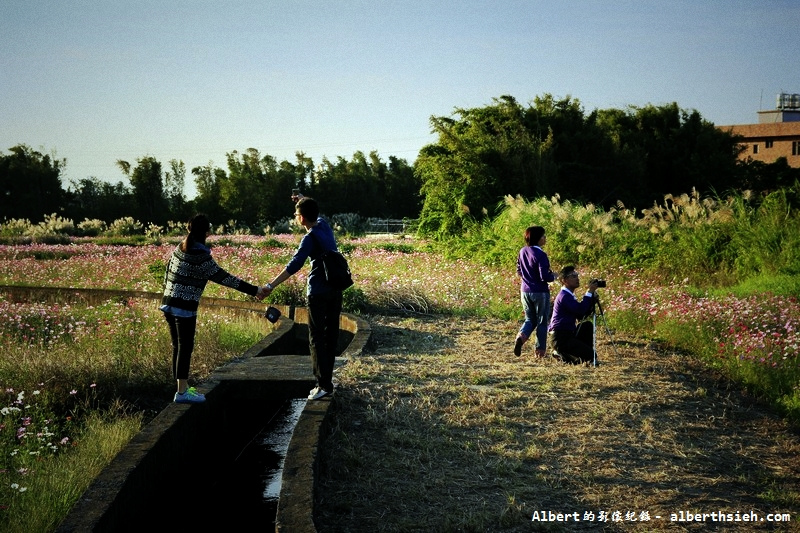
{"x":197,"y":443}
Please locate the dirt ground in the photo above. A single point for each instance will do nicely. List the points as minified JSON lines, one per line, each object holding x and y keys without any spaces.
{"x":441,"y":428}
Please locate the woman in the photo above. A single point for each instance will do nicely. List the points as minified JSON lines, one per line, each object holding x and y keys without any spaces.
{"x":533,"y":267}
{"x":189,"y":269}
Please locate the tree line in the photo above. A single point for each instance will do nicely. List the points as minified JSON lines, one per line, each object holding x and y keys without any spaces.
{"x":545,"y":148}
{"x":254,"y":190}
{"x":552,"y":147}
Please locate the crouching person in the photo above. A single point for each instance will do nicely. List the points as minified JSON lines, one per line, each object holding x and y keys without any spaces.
{"x":567,"y":312}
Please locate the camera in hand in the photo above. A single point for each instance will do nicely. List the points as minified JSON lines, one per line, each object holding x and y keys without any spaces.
{"x":272,"y":314}
{"x":601,"y":283}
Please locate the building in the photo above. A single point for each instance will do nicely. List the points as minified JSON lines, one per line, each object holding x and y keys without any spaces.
{"x":777,"y":133}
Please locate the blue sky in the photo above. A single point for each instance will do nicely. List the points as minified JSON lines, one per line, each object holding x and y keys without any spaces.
{"x":96,"y":81}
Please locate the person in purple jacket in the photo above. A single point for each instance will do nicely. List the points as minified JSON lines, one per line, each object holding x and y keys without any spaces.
{"x":567,"y":311}
{"x":533,"y":268}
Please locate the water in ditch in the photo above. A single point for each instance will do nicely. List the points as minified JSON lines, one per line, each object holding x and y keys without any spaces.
{"x":248,"y":492}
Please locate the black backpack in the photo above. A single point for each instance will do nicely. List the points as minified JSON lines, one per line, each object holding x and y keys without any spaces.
{"x":337,"y":271}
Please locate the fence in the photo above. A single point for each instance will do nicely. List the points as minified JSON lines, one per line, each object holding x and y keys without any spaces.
{"x":394,"y":226}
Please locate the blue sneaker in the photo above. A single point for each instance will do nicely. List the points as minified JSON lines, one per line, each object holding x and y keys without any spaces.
{"x":190,"y":396}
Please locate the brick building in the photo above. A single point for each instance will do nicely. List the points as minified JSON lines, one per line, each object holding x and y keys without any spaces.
{"x":777,"y":133}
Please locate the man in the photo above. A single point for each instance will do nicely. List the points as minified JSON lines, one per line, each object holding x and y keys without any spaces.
{"x":567,"y":311}
{"x":324,"y":302}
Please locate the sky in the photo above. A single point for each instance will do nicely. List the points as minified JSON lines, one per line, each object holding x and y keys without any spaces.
{"x":94,"y":82}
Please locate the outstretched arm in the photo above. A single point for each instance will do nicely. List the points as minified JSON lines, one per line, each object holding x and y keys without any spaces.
{"x":280,"y":278}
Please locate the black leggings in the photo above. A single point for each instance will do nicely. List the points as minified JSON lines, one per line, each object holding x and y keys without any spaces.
{"x":181,"y":331}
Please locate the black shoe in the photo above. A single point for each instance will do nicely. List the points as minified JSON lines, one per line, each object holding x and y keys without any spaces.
{"x":518,"y":346}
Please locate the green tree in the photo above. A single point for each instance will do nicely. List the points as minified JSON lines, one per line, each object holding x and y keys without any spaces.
{"x":174,"y":183}
{"x":30,"y":184}
{"x":483,"y":155}
{"x":635,"y":156}
{"x":148,"y":189}
{"x":208,"y":180}
{"x":402,"y":196}
{"x":92,"y":198}
{"x":257,"y":189}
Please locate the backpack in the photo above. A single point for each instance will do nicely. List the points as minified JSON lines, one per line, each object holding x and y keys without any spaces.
{"x":337,"y":271}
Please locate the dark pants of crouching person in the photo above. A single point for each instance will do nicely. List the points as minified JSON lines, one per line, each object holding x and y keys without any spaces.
{"x":574,"y":348}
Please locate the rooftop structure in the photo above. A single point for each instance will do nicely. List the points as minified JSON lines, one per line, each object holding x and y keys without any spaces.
{"x":777,"y":133}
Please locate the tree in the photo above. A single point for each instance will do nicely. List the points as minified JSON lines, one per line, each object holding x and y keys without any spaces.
{"x":634,"y":156}
{"x":92,"y":198}
{"x":402,"y":197}
{"x":208,"y":180}
{"x":174,"y":180}
{"x":148,"y":189}
{"x":483,"y":155}
{"x":30,"y":184}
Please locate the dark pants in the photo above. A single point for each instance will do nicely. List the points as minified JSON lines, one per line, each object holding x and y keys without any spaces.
{"x":181,"y":331}
{"x":323,"y":335}
{"x":574,"y":348}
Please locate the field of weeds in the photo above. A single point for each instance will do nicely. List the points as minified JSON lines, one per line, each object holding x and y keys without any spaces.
{"x":441,"y":428}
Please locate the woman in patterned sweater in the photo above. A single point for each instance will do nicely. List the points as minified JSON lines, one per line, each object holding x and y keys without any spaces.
{"x":189,"y":269}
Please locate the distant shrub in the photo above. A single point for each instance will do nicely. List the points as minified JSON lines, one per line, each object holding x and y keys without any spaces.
{"x":43,"y":235}
{"x":351,"y":224}
{"x":280,"y":227}
{"x":54,"y":224}
{"x":123,"y":227}
{"x":154,"y":231}
{"x":16,"y":227}
{"x":176,"y":228}
{"x":354,"y":300}
{"x":91,"y":228}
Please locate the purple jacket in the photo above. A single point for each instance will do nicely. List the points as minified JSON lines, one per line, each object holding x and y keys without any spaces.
{"x":567,"y":310}
{"x":533,"y":267}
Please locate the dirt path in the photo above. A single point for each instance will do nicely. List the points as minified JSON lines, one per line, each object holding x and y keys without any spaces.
{"x":441,"y":428}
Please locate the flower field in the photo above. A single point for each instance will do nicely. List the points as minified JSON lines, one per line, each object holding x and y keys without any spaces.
{"x":71,"y":381}
{"x":388,"y":276}
{"x":94,"y":353}
{"x":754,"y":338}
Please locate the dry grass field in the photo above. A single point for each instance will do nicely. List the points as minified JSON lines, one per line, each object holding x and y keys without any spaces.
{"x":440,"y":428}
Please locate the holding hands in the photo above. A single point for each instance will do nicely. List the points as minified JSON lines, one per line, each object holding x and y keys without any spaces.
{"x":263,"y":292}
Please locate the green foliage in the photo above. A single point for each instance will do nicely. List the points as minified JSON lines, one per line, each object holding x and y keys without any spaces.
{"x":552,"y":148}
{"x":397,"y":247}
{"x":157,"y":269}
{"x":30,"y":183}
{"x":705,"y":240}
{"x":148,"y":189}
{"x":271,"y":242}
{"x":123,"y":227}
{"x":289,"y":292}
{"x":239,"y":335}
{"x":91,"y":228}
{"x":349,"y":224}
{"x":354,"y":300}
{"x":346,"y":248}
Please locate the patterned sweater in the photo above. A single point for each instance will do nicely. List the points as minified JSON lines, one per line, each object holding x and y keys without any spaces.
{"x":187,"y":274}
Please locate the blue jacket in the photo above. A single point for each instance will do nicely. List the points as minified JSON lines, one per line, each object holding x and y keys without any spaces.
{"x":313,"y":246}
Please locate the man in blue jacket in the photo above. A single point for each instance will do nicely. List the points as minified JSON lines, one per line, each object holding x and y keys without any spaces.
{"x":324,"y":302}
{"x":567,"y":312}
